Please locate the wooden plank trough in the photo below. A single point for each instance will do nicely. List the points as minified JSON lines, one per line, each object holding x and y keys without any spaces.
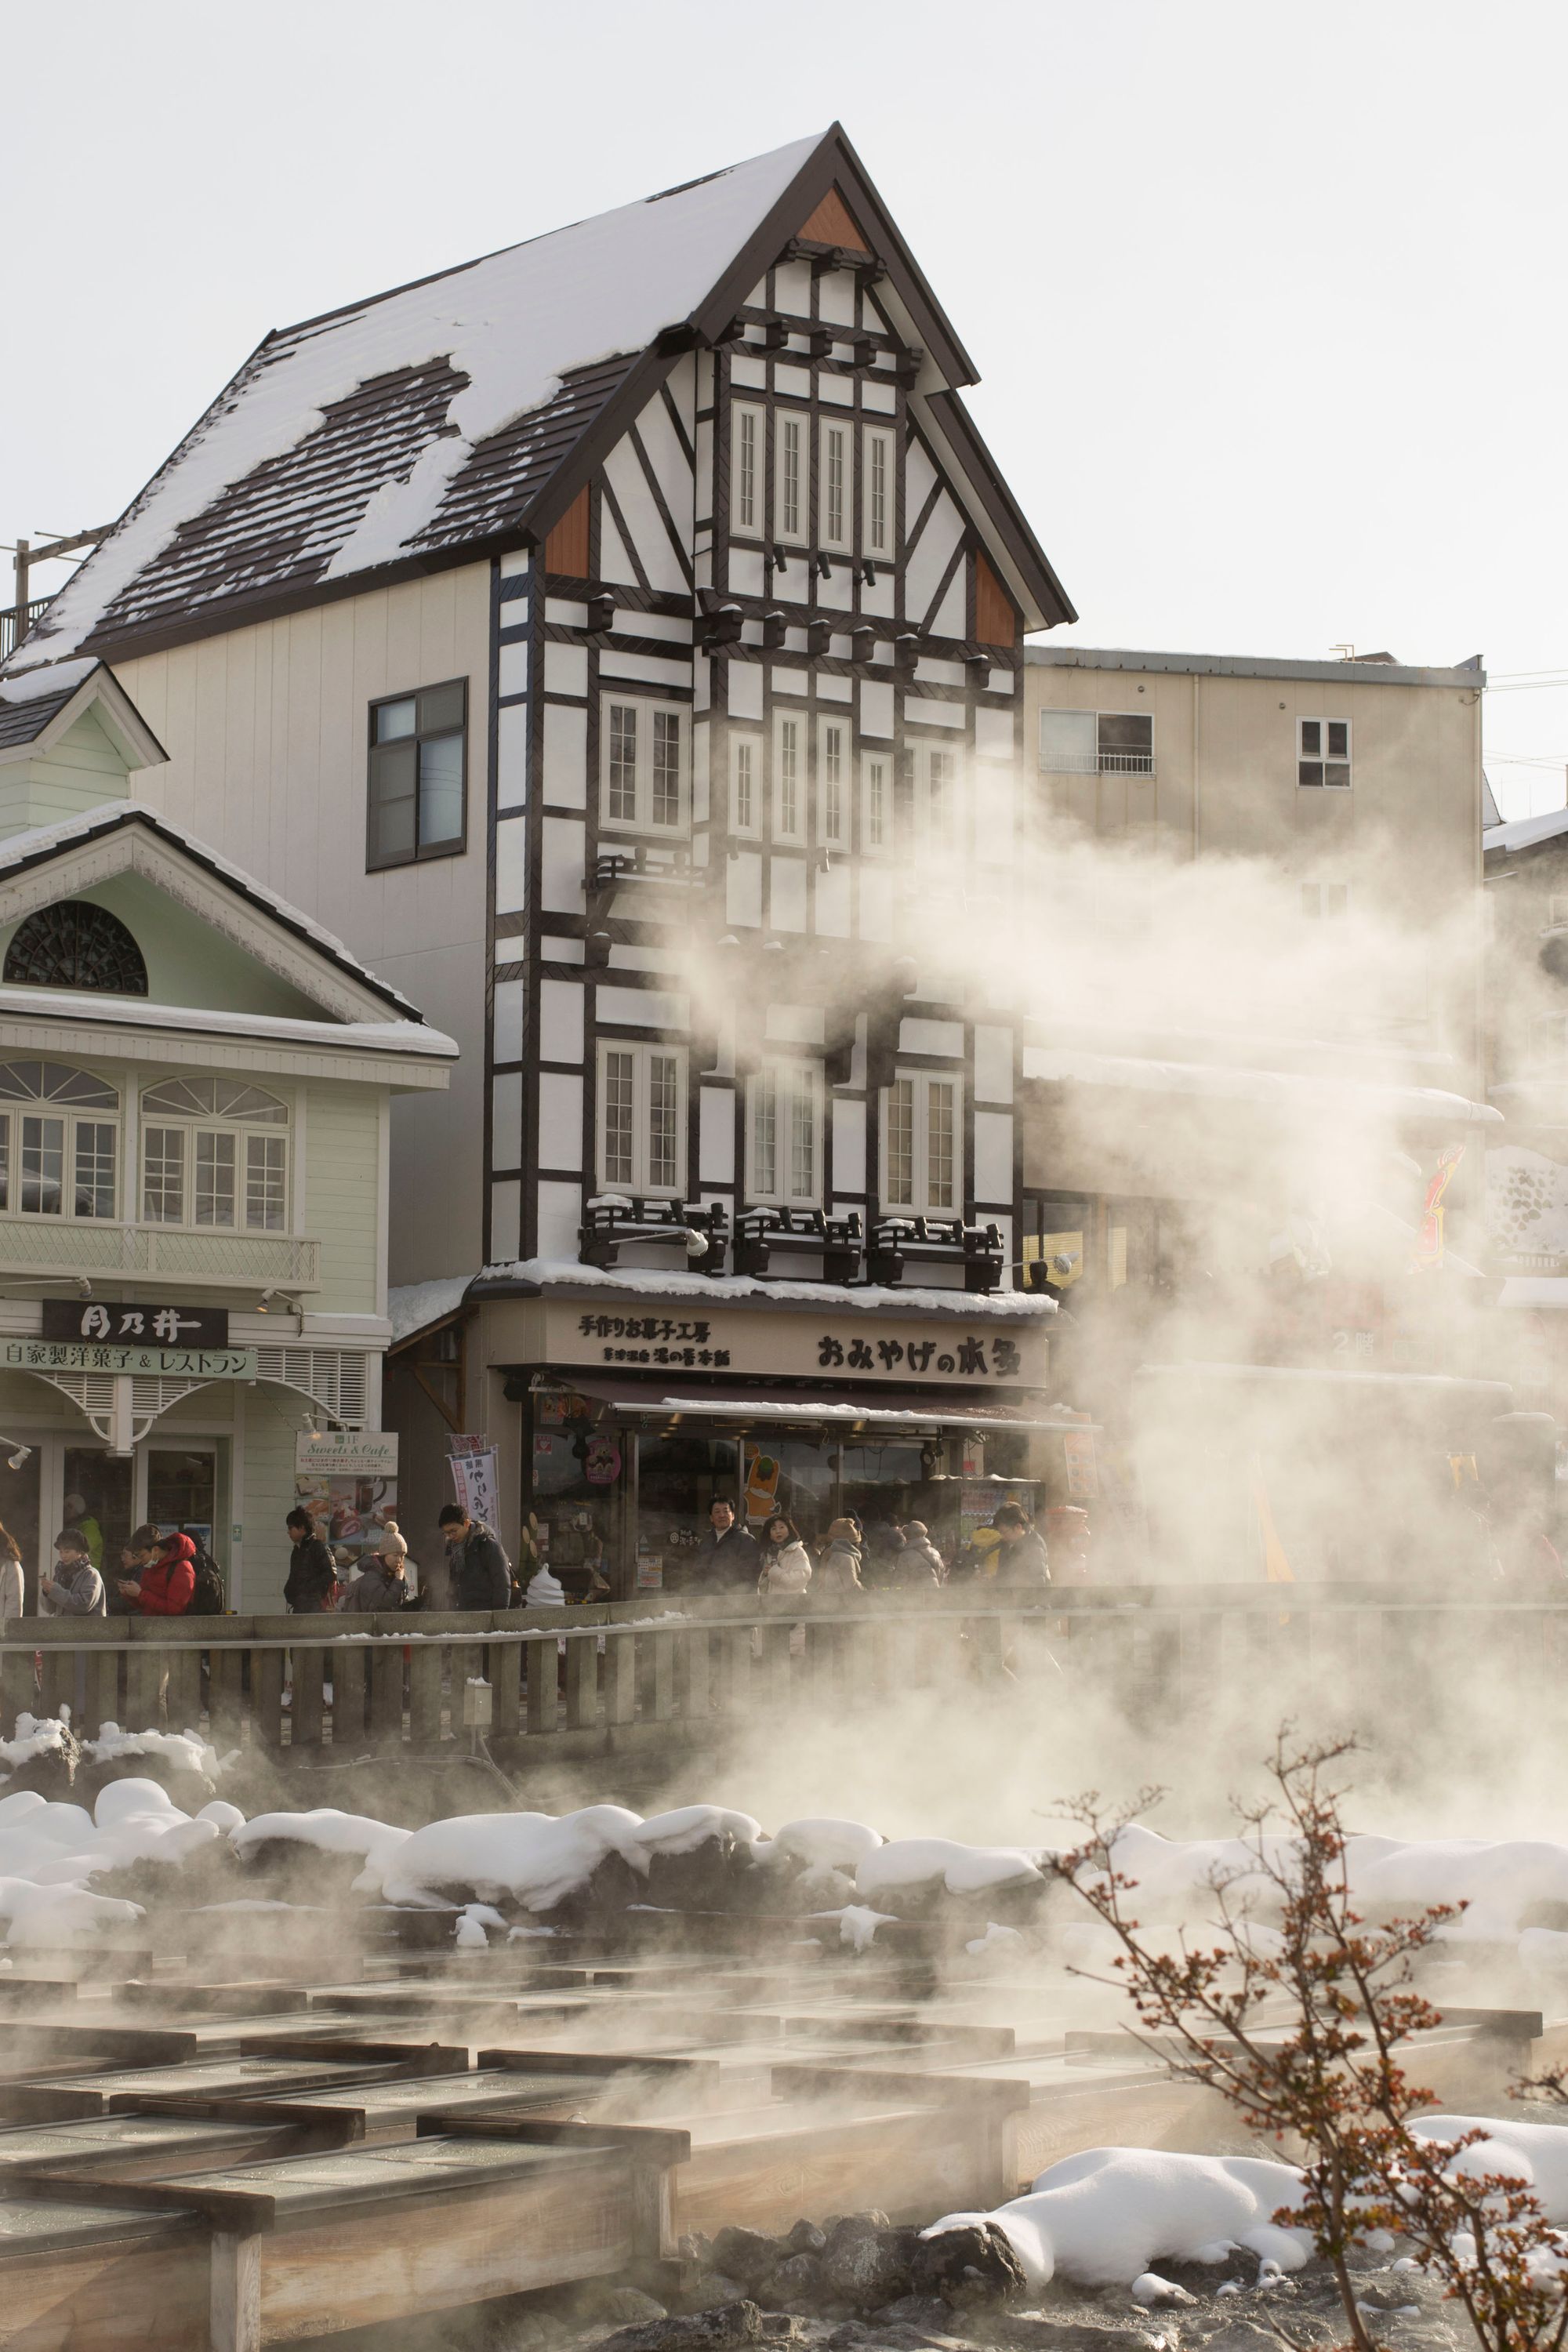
{"x":220,"y":2167}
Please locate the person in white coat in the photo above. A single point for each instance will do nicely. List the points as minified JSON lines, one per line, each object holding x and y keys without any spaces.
{"x":10,"y":1576}
{"x":786,"y":1563}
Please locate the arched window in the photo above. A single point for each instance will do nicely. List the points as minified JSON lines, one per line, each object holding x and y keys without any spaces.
{"x":60,"y":1145}
{"x":74,"y":944}
{"x":215,"y":1154}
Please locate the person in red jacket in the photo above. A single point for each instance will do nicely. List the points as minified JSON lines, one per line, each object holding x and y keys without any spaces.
{"x":166,"y":1587}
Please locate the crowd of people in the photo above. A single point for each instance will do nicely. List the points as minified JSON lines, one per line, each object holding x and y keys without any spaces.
{"x":895,"y":1555}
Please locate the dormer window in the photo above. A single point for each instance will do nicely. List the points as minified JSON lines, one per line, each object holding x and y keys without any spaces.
{"x":74,"y":944}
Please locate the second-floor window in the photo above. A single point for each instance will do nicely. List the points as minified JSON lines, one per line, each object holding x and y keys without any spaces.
{"x":923,"y":1144}
{"x":59,"y":1138}
{"x":417,"y":792}
{"x":934,"y":769}
{"x":784,"y":1135}
{"x":746,"y":470}
{"x":834,"y":512}
{"x":644,"y":759}
{"x":877,"y":449}
{"x":1323,"y":753}
{"x":789,"y":777}
{"x":833,"y":781}
{"x":745,"y":784}
{"x":215,"y":1155}
{"x":1097,"y":742}
{"x":791,"y":492}
{"x":642,"y":1119}
{"x":876,"y":803}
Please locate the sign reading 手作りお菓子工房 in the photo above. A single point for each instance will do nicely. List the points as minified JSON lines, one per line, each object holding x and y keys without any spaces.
{"x":984,"y":1351}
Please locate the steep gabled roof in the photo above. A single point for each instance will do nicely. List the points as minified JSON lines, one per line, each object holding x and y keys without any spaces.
{"x":38,"y":709}
{"x":441,"y":421}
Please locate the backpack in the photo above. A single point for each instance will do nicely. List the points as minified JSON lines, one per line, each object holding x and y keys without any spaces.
{"x":208,"y":1599}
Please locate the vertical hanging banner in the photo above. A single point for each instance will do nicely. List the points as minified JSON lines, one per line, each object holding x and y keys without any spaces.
{"x":475,"y":1484}
{"x":1428,"y":1257}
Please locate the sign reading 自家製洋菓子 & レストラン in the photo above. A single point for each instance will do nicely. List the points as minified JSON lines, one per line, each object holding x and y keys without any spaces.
{"x":138,"y":1362}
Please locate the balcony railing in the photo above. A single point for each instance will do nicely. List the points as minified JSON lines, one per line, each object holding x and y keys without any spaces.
{"x":1097,"y":763}
{"x":60,"y":1249}
{"x":16,"y":622}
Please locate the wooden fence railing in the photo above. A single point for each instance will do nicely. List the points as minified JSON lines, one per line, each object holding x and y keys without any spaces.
{"x":305,"y":1683}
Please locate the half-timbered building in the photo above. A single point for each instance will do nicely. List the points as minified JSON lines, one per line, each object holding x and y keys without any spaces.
{"x":621,"y":636}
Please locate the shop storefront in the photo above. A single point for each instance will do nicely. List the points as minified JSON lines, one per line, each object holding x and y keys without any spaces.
{"x":632,"y":1410}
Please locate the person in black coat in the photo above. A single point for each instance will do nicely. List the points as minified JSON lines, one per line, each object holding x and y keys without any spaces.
{"x":478,"y":1569}
{"x":312,"y":1575}
{"x":729,"y":1558}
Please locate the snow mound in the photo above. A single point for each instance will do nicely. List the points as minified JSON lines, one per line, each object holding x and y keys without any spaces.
{"x":822,"y":1844}
{"x":907,"y":1862}
{"x":1535,"y":2153}
{"x":185,"y":1748}
{"x":36,"y":1736}
{"x":535,"y":1859}
{"x":375,"y":1843}
{"x":1106,"y":2216}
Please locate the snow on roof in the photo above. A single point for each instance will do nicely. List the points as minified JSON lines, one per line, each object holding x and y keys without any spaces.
{"x":1524,"y":832}
{"x":501,"y":333}
{"x":60,"y":678}
{"x":1058,"y":1065}
{"x":142,"y":1013}
{"x":414,"y":1304}
{"x":1490,"y":813}
{"x":22,"y":849}
{"x":728,"y":1289}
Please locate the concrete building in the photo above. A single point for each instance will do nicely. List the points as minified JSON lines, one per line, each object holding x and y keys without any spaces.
{"x":196,"y":1083}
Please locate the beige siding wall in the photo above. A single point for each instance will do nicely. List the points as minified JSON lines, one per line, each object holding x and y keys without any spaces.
{"x":341,"y":1140}
{"x":1405,"y":837}
{"x":266,"y":731}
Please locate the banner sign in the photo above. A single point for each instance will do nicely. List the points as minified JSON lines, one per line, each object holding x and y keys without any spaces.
{"x":829,"y":1346}
{"x":347,"y":1480}
{"x":139,"y":1326}
{"x":166,"y":1363}
{"x":475,"y":1484}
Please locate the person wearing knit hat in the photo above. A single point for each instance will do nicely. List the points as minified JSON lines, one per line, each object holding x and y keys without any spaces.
{"x":381,"y":1583}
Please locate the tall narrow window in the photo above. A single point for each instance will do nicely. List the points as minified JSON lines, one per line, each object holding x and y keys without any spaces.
{"x":831,"y":773}
{"x":745,"y":784}
{"x":936,"y":774}
{"x":746,"y":470}
{"x":623,"y":762}
{"x":922,"y":1156}
{"x":878,"y":481}
{"x":215,"y":1175}
{"x":833,"y":525}
{"x":877,"y":820}
{"x":789,"y":778}
{"x":266,"y":1182}
{"x":790,"y":488}
{"x":163,"y":1175}
{"x":643,"y":755}
{"x":642,"y":1119}
{"x":418,"y":749}
{"x":784,"y":1134}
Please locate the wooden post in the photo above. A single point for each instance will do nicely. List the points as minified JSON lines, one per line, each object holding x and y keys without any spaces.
{"x":543,"y":1685}
{"x":267,"y":1698}
{"x":423,"y":1692}
{"x":306,"y":1711}
{"x":348,"y":1680}
{"x":503,"y":1670}
{"x":234,"y":2308}
{"x":385,"y":1663}
{"x":582,"y":1683}
{"x":691,"y":1673}
{"x":620,"y":1674}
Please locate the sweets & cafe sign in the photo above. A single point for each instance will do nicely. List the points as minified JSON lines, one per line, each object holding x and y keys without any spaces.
{"x":984,"y":1351}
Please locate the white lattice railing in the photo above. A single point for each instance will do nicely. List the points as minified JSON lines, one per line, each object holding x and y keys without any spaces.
{"x":63,"y":1248}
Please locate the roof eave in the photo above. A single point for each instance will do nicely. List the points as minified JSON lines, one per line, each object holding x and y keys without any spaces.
{"x":1048,"y":601}
{"x":122,"y":721}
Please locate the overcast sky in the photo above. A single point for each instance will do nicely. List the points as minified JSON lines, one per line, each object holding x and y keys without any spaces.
{"x":1267,"y":300}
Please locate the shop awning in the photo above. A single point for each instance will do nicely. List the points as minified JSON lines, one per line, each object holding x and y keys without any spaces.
{"x":1275,"y":1089}
{"x":906,"y":1410}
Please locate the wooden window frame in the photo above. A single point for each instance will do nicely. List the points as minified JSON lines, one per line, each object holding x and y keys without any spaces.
{"x":828,"y":722}
{"x":788,"y":422}
{"x":950,"y":841}
{"x":842,"y":541}
{"x":781,"y":1194}
{"x":793,"y":837}
{"x":873,"y":549}
{"x":884,"y":759}
{"x":649,"y":711}
{"x":744,"y":739}
{"x":743,"y":412}
{"x":920,"y":1082}
{"x":375,"y":863}
{"x":643,"y":1052}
